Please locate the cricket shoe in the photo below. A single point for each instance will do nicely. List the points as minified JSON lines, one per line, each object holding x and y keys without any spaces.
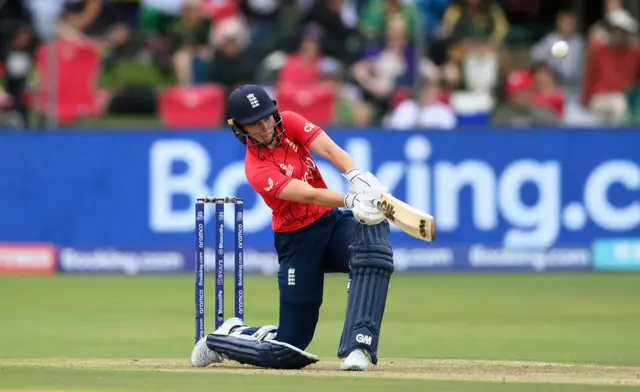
{"x":358,"y":360}
{"x":202,"y":355}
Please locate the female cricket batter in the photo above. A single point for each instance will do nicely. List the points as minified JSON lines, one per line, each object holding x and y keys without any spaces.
{"x":312,"y":237}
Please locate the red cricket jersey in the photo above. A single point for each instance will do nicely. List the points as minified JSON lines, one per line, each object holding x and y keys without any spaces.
{"x":269,"y":171}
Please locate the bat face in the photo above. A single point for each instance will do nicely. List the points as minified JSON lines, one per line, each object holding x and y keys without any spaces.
{"x":410,"y":220}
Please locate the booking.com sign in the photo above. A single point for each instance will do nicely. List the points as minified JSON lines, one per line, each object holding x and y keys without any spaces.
{"x":524,"y":191}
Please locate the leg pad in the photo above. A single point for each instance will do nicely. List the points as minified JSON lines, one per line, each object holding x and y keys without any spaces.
{"x":270,"y":354}
{"x":371,"y":269}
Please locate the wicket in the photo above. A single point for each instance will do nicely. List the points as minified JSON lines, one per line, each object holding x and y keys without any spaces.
{"x":220,"y":203}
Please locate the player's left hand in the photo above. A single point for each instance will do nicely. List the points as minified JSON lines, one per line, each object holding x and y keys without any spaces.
{"x":362,"y":181}
{"x":364,"y":207}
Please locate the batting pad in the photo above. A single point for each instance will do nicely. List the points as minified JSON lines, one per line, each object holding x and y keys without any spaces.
{"x":371,"y":269}
{"x":270,"y":354}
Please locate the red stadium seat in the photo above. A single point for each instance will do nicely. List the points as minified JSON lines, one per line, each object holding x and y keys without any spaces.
{"x":78,"y":67}
{"x":316,"y":103}
{"x":192,"y":106}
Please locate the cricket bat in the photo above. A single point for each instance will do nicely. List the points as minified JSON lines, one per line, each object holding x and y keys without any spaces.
{"x":410,"y":220}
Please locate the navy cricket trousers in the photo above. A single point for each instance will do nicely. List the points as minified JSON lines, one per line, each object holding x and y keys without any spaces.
{"x":305,"y":256}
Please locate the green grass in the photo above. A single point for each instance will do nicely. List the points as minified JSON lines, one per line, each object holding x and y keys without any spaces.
{"x":568,"y":318}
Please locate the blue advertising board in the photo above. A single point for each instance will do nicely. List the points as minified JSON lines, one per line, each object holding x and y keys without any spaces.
{"x":515,"y":189}
{"x":476,"y":258}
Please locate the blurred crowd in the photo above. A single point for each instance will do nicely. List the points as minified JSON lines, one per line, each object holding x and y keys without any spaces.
{"x":401,"y":64}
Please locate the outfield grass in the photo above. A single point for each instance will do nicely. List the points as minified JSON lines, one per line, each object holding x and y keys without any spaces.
{"x":66,"y":332}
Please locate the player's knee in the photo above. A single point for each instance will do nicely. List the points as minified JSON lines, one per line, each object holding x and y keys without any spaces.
{"x":372,"y":247}
{"x":297,"y":323}
{"x":300,"y":338}
{"x":379,"y":234}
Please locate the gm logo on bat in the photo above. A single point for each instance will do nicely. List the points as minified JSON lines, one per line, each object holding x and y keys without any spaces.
{"x":423,"y":228}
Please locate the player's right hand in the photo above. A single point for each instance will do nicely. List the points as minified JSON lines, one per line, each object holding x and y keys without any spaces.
{"x":364,"y":207}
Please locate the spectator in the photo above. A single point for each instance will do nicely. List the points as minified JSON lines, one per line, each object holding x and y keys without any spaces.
{"x":599,"y":31}
{"x":97,"y":20}
{"x":338,"y":19}
{"x":427,"y":112}
{"x":432,"y":16}
{"x":377,"y":13}
{"x":433,"y":12}
{"x":350,"y":108}
{"x":478,"y":23}
{"x":156,"y":16}
{"x":570,"y":69}
{"x":19,"y":60}
{"x":477,"y":29}
{"x":5,"y":99}
{"x":14,"y":15}
{"x":547,"y":94}
{"x":303,"y":67}
{"x":45,"y":14}
{"x":190,"y":48}
{"x":229,"y":66}
{"x":521,"y":110}
{"x":612,"y":69}
{"x":263,"y":17}
{"x":387,"y":66}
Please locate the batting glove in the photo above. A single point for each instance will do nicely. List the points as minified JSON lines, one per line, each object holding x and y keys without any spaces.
{"x":361,"y":181}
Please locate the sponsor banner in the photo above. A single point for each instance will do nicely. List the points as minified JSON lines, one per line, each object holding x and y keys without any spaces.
{"x":617,"y":254}
{"x":120,"y":261}
{"x":131,"y":261}
{"x":27,"y":259}
{"x":505,"y":188}
{"x":476,"y":258}
{"x":481,"y":258}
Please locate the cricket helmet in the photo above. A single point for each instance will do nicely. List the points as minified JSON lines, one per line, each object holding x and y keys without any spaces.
{"x":249,"y":104}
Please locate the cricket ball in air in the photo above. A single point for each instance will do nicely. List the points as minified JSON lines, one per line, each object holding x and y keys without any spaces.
{"x":560,"y":49}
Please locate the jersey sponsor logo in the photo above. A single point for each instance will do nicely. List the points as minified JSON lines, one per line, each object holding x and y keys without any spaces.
{"x":308,"y":127}
{"x":311,"y":164}
{"x":271,"y":185}
{"x":287,"y":169}
{"x":253,"y":101}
